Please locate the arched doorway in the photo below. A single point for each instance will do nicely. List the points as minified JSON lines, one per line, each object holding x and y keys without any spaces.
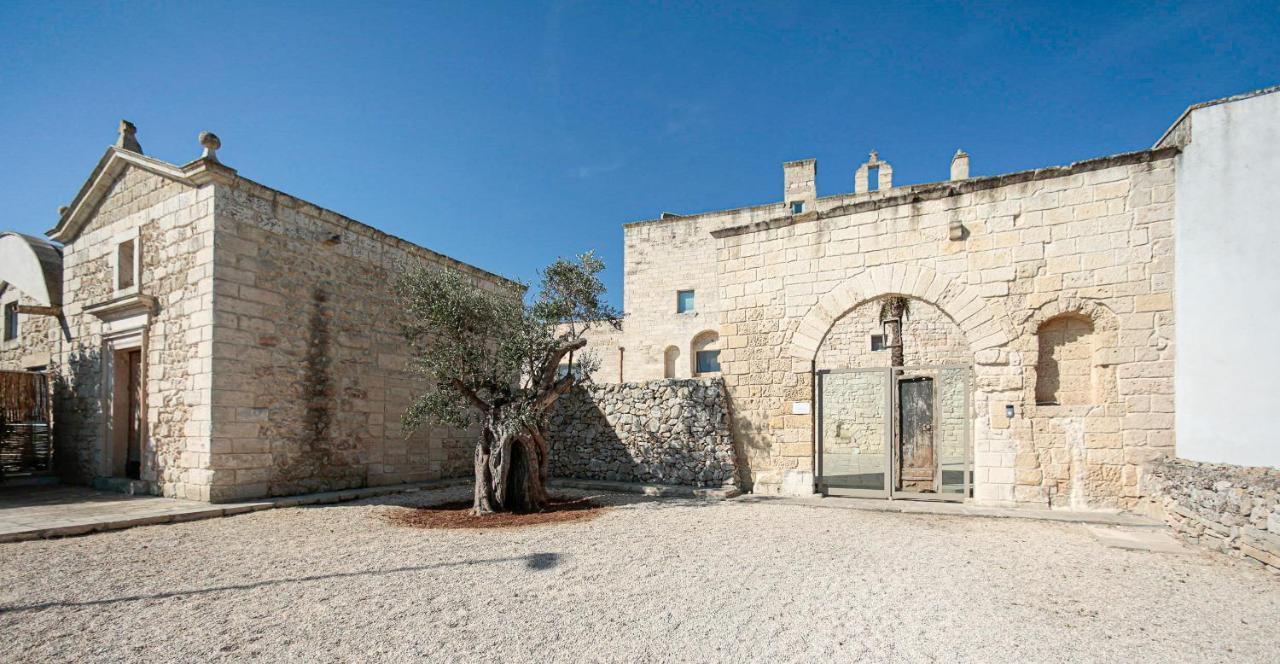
{"x":892,"y":380}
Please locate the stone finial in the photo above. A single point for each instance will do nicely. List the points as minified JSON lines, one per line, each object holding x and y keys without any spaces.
{"x":128,"y":139}
{"x":62,"y":210}
{"x":211,"y":143}
{"x":960,"y":166}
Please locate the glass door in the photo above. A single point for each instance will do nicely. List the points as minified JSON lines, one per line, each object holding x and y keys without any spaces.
{"x":854,"y":432}
{"x":894,"y":433}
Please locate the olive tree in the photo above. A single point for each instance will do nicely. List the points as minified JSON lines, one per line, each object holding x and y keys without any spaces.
{"x":494,"y":360}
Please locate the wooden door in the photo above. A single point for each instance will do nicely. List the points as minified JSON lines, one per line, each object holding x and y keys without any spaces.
{"x":917,"y":454}
{"x":133,"y":464}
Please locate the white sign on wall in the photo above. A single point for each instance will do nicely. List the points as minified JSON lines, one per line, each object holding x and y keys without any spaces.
{"x":800,"y":408}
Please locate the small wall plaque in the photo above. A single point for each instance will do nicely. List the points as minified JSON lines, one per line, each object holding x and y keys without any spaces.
{"x":800,"y":408}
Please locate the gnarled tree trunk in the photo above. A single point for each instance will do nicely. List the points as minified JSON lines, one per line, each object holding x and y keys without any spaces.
{"x":512,"y":466}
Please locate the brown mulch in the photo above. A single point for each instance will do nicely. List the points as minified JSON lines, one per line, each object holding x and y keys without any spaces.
{"x":457,"y":514}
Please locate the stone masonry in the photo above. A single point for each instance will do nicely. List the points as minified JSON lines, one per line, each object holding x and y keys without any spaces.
{"x":660,"y":432}
{"x":1231,"y":509}
{"x":991,"y":259}
{"x":271,"y":359}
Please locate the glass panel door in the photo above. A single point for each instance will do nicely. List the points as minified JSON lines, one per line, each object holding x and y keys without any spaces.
{"x":854,"y":432}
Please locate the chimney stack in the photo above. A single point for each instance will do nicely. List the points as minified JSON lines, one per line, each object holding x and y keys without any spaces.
{"x":800,"y":185}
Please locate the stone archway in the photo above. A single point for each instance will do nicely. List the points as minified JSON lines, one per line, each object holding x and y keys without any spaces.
{"x":986,"y":327}
{"x":985,"y":324}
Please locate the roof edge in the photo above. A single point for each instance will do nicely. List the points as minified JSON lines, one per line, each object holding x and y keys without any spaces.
{"x":947,"y":188}
{"x":1205,"y":104}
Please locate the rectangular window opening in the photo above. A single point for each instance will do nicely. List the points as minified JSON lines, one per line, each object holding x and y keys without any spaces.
{"x":797,"y":207}
{"x":708,"y":361}
{"x":873,"y":178}
{"x":126,"y":258}
{"x":877,"y":342}
{"x":684,"y":301}
{"x":11,"y":321}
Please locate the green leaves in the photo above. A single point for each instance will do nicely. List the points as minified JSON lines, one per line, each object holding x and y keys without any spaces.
{"x":486,"y":352}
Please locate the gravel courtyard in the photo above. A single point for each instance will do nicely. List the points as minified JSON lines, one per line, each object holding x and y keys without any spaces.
{"x":646,"y":581}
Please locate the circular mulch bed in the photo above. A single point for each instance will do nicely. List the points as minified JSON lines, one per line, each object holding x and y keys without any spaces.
{"x":457,"y":514}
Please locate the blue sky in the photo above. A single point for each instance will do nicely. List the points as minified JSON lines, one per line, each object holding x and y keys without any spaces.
{"x":507,"y":134}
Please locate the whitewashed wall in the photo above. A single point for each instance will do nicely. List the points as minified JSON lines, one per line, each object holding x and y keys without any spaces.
{"x":1227,"y":284}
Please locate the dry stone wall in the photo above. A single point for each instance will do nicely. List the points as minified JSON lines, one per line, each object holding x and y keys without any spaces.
{"x":1232,"y":509}
{"x":661,"y":432}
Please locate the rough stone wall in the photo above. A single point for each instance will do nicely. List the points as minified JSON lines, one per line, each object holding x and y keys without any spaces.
{"x":175,"y":229}
{"x":662,"y":432}
{"x":1232,"y":509}
{"x":1094,"y":239}
{"x":310,"y":373}
{"x":38,"y":336}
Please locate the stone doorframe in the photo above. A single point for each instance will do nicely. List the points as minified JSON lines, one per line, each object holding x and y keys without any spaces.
{"x":986,"y":325}
{"x":125,"y":324}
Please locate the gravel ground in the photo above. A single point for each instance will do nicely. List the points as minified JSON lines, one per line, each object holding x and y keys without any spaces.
{"x":647,"y":581}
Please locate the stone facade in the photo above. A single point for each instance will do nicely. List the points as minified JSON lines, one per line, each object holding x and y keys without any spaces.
{"x":791,"y":290}
{"x":660,"y":432}
{"x":270,"y":358}
{"x":1231,"y":509}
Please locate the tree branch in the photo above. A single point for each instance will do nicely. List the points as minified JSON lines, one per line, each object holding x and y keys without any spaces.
{"x":553,"y":362}
{"x":471,"y":395}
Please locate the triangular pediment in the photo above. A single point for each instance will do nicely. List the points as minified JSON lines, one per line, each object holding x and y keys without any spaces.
{"x":109,"y":169}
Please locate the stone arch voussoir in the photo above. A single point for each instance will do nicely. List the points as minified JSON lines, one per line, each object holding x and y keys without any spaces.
{"x":985,"y":323}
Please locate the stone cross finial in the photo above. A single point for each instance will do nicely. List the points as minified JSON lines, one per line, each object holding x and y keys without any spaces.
{"x":211,"y":144}
{"x":128,"y":137}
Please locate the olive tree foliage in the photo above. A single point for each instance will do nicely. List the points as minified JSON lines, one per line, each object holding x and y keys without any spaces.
{"x":493,"y":360}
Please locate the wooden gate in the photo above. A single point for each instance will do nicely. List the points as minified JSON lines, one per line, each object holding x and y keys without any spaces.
{"x":26,"y":440}
{"x":917,"y":456}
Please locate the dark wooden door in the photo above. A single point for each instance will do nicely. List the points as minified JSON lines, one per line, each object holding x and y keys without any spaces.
{"x":133,"y":464}
{"x":917,"y":455}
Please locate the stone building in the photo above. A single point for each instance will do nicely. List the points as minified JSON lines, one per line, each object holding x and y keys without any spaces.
{"x":1039,"y":337}
{"x":214,"y":339}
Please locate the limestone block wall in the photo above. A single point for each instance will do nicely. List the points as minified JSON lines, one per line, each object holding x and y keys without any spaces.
{"x":310,"y":372}
{"x":930,"y":338}
{"x":1093,"y":239}
{"x":174,"y":224}
{"x":1231,"y":509}
{"x":662,"y":432}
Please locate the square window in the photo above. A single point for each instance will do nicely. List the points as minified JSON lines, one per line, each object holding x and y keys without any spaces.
{"x":684,"y":301}
{"x":877,"y":342}
{"x":708,"y":361}
{"x":797,"y":207}
{"x":11,"y":321}
{"x":126,"y":264}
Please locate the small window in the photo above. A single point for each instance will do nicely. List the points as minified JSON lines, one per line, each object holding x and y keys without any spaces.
{"x":684,"y":301}
{"x":708,"y":361}
{"x":126,"y":264}
{"x":11,"y":321}
{"x":873,"y":178}
{"x":797,"y":207}
{"x":877,"y":342}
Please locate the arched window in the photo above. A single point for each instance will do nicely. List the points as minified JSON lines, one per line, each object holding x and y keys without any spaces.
{"x":1064,"y":371}
{"x":669,"y":359}
{"x":704,"y":352}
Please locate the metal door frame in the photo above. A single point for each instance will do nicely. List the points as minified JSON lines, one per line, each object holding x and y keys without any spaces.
{"x":892,"y":376}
